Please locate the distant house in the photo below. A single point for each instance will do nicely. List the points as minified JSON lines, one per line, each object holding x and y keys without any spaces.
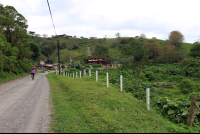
{"x":93,"y":37}
{"x":43,"y":62}
{"x":98,"y":60}
{"x":70,"y":37}
{"x":74,"y":37}
{"x":64,"y":35}
{"x":81,"y":37}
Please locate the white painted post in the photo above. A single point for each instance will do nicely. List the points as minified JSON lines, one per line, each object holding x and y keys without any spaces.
{"x":68,"y":74}
{"x":56,"y":71}
{"x":107,"y":79}
{"x":76,"y":74}
{"x":84,"y":73}
{"x":73,"y":75}
{"x":96,"y":75}
{"x":121,"y":88}
{"x":90,"y":72}
{"x":148,"y":98}
{"x":80,"y":73}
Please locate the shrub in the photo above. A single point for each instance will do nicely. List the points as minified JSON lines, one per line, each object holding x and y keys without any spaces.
{"x":125,"y":40}
{"x":150,"y":75}
{"x":187,"y":86}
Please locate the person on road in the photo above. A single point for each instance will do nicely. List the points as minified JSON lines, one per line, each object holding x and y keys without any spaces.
{"x":32,"y":72}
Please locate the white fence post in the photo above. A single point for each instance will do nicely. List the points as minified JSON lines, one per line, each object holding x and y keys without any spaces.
{"x":76,"y":74}
{"x":68,"y":74}
{"x":90,"y":72}
{"x":148,"y":98}
{"x":56,"y":71}
{"x":80,"y":73}
{"x":121,"y":82}
{"x":96,"y":75}
{"x":84,"y":73}
{"x":73,"y":75}
{"x":107,"y":79}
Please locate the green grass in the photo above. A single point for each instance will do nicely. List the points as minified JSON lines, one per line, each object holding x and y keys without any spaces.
{"x":85,"y":106}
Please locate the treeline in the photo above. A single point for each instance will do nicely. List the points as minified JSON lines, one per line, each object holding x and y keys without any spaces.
{"x":15,"y":49}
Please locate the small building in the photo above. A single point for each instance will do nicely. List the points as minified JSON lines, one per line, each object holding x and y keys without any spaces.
{"x":98,"y":60}
{"x":43,"y":62}
{"x":93,"y":37}
{"x":64,"y":35}
{"x":70,"y":37}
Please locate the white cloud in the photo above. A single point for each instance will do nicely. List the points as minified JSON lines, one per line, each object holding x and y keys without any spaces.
{"x":155,"y":18}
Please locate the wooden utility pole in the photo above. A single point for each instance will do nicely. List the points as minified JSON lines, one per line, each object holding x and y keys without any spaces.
{"x":58,"y":57}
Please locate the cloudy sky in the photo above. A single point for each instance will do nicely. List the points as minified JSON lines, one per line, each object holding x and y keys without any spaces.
{"x":97,"y":18}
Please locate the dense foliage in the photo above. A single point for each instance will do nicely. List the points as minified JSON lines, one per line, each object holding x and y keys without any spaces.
{"x":14,"y":49}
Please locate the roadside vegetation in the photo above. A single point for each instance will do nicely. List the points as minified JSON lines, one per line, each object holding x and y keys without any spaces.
{"x":86,"y":106}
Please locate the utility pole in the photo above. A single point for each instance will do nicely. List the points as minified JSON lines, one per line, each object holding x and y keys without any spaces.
{"x":58,"y":57}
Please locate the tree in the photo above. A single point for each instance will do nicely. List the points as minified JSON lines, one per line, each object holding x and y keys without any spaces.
{"x":195,"y":51}
{"x":118,"y":35}
{"x":153,"y":50}
{"x":14,"y":48}
{"x":35,"y":49}
{"x":45,"y":35}
{"x":135,"y":56}
{"x":13,"y":26}
{"x":142,"y":36}
{"x":176,"y":38}
{"x":32,"y":33}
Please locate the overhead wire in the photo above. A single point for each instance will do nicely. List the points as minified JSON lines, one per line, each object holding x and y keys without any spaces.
{"x":56,"y":36}
{"x":51,"y":16}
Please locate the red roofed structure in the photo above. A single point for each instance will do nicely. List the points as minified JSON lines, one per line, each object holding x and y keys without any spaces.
{"x":98,"y":60}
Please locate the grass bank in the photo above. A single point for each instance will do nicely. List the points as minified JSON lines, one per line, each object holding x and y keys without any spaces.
{"x":14,"y":76}
{"x":85,"y":106}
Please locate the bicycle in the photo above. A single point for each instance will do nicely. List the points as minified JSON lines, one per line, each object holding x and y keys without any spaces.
{"x":32,"y":77}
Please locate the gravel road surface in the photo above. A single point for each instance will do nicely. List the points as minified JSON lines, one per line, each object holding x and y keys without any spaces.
{"x":24,"y":105}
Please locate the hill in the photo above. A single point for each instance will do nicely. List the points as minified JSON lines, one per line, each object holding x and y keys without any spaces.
{"x":77,"y":48}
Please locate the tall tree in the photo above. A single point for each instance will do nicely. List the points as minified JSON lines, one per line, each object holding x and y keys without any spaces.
{"x":176,"y":38}
{"x":35,"y":49}
{"x":135,"y":56}
{"x":13,"y":25}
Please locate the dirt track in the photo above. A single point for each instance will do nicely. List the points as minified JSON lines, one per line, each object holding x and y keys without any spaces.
{"x":24,"y":105}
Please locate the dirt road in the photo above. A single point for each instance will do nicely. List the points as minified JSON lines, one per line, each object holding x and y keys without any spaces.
{"x":24,"y":105}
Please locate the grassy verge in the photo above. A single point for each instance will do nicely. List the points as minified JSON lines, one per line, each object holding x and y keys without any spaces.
{"x":85,"y":106}
{"x":12,"y":77}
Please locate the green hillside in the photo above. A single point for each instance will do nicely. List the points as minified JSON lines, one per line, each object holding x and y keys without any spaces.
{"x":77,"y":48}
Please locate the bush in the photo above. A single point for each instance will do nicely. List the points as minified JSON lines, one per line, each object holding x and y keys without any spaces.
{"x":125,"y":40}
{"x":150,"y":75}
{"x":187,"y":86}
{"x":93,"y":65}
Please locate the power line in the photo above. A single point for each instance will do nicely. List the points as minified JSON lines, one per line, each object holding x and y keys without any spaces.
{"x":51,"y":16}
{"x":56,"y":36}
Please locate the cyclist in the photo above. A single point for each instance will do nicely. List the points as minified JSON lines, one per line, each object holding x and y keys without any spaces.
{"x":32,"y":72}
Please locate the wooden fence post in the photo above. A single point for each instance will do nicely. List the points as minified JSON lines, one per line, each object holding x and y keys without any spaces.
{"x":191,"y":116}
